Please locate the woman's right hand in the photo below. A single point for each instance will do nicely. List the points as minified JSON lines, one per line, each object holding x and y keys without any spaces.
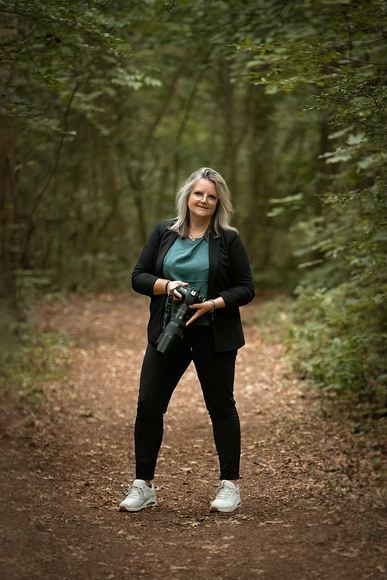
{"x":162,"y":287}
{"x":177,"y":297}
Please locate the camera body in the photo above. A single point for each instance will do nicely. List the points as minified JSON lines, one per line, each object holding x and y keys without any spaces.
{"x":173,"y":332}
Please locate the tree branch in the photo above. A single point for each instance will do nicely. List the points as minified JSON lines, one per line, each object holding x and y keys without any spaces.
{"x":39,"y":197}
{"x":376,"y":104}
{"x":282,"y":7}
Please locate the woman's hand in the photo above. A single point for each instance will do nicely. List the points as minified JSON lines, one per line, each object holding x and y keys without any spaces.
{"x":177,"y":297}
{"x":201,"y":308}
{"x":204,"y":307}
{"x":162,"y":286}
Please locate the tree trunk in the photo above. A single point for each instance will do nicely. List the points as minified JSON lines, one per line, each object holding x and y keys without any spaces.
{"x":7,"y":177}
{"x":260,"y":175}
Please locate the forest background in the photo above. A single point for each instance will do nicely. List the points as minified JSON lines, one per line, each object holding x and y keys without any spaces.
{"x":107,"y":106}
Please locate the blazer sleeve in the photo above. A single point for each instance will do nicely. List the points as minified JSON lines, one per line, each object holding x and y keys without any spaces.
{"x":241,"y":290}
{"x":144,"y":275}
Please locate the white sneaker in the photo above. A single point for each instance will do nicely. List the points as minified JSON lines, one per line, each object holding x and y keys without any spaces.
{"x":139,"y":496}
{"x":227,"y":499}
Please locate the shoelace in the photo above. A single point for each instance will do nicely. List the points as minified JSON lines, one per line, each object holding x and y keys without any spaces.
{"x":223,"y":492}
{"x":133,"y":491}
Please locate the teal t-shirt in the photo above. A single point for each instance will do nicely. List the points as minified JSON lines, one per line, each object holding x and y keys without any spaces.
{"x":187,"y":260}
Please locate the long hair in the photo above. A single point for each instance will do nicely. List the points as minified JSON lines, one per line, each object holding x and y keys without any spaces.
{"x":224,"y":210}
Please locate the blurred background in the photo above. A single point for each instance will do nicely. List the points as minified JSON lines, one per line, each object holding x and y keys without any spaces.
{"x":108,"y":106}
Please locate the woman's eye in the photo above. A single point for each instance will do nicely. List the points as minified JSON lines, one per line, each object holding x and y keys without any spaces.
{"x":212,"y":197}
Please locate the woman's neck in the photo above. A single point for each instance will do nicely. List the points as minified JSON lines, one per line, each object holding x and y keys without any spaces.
{"x":198,"y":226}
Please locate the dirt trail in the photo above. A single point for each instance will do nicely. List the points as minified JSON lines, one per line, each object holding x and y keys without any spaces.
{"x":65,"y":468}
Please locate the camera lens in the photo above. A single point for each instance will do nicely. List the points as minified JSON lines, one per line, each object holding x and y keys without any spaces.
{"x":173,"y":332}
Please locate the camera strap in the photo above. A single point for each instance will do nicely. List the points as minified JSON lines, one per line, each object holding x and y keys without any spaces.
{"x":168,"y":308}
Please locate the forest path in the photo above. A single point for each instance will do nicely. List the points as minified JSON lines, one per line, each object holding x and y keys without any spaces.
{"x":66,"y":467}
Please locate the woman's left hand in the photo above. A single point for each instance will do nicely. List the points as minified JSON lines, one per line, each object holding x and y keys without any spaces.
{"x":201,"y":308}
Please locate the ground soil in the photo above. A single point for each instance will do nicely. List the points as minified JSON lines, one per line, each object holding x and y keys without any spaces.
{"x":313,"y":505}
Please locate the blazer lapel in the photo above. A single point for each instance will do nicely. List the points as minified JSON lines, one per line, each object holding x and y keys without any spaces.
{"x":213,"y":258}
{"x":166,"y":242}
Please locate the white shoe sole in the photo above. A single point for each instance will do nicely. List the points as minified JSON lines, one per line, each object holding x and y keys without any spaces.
{"x":226,"y":510}
{"x":148,"y":503}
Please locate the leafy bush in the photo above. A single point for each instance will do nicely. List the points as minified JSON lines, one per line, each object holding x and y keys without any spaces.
{"x":29,"y":357}
{"x":340,"y":344}
{"x":341,"y":339}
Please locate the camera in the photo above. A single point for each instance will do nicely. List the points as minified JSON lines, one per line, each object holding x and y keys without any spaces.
{"x":173,"y":332}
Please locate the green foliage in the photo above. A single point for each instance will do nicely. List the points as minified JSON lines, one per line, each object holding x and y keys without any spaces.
{"x":49,"y":44}
{"x":342,"y":341}
{"x":29,"y":357}
{"x":342,"y":299}
{"x":340,"y":344}
{"x":105,"y":137}
{"x":273,"y":318}
{"x":62,"y":62}
{"x":102,"y":135}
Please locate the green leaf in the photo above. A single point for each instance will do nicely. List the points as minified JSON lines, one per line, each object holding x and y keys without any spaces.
{"x":288,"y":198}
{"x":275,"y":212}
{"x":313,"y":263}
{"x":378,"y":298}
{"x":340,"y":133}
{"x":356,"y":139}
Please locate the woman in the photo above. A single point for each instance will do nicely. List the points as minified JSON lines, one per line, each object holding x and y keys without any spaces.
{"x":199,"y":248}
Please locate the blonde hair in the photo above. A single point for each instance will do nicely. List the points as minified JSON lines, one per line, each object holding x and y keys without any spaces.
{"x":224,"y":209}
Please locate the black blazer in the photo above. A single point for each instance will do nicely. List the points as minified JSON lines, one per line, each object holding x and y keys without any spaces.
{"x":229,"y":276}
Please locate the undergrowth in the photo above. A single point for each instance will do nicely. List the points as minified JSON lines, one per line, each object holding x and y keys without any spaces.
{"x":282,"y":320}
{"x":274,"y":318}
{"x":29,"y":357}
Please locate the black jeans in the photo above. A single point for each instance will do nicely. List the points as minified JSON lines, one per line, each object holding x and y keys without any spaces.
{"x":159,"y":377}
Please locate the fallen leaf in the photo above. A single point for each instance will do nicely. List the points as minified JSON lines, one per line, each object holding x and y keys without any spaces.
{"x":131,"y":538}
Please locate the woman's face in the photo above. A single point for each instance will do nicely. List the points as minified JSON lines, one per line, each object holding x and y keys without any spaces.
{"x":203,"y":199}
